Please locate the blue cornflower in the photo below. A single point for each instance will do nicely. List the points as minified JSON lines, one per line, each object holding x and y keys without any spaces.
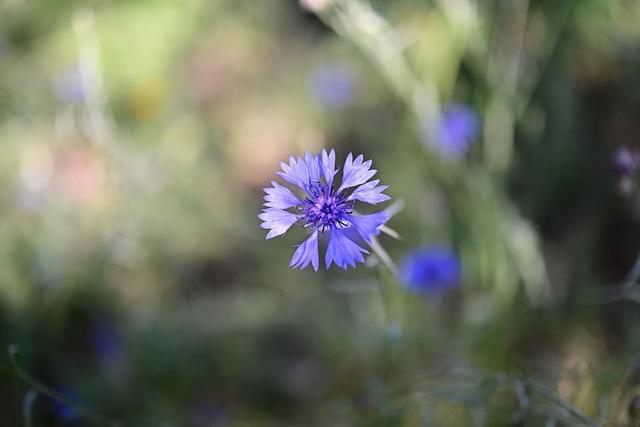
{"x":332,"y":85}
{"x":627,"y":160}
{"x":206,"y":413}
{"x":431,"y":269}
{"x":107,"y":344}
{"x":68,"y":415}
{"x":326,"y":207}
{"x":459,"y":126}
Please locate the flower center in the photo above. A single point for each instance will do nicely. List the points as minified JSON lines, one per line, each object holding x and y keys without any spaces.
{"x":325,"y":209}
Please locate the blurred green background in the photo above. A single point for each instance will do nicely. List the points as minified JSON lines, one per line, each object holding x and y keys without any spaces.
{"x":136,"y":137}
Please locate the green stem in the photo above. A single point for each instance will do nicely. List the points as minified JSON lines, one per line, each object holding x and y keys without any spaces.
{"x":27,"y":404}
{"x":552,"y":397}
{"x":37,"y":386}
{"x":633,"y":276}
{"x":499,"y":380}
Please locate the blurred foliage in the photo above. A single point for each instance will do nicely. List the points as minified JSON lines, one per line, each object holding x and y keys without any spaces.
{"x":136,"y":283}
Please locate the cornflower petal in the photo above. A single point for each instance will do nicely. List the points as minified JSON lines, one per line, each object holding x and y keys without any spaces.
{"x":313,"y":167}
{"x":295,"y":172}
{"x":368,"y":225}
{"x":343,"y":251}
{"x":328,"y":163}
{"x":307,"y":252}
{"x":277,"y":221}
{"x":280,"y":197}
{"x":370,"y":193}
{"x":355,"y":172}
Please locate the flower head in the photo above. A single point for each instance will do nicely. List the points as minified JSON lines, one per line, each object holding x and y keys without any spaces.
{"x":204,"y":412}
{"x":63,"y":411}
{"x":107,"y":344}
{"x":326,"y":207}
{"x":627,"y":160}
{"x":333,"y":85}
{"x":431,"y":269}
{"x":459,"y":126}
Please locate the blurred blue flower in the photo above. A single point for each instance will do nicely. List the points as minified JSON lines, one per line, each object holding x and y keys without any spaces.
{"x":325,"y":207}
{"x":458,"y":127}
{"x":69,"y":85}
{"x":332,"y":85}
{"x":66,"y":414}
{"x":431,"y":269}
{"x":626,"y":160}
{"x":206,"y":413}
{"x":106,"y":344}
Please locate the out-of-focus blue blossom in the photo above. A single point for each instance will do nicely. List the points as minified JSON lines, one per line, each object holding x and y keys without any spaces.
{"x":431,"y":269}
{"x":66,"y":414}
{"x":626,"y":160}
{"x":107,"y":344}
{"x":458,"y":127}
{"x":206,"y":413}
{"x":69,"y":85}
{"x":333,"y":85}
{"x":325,"y":207}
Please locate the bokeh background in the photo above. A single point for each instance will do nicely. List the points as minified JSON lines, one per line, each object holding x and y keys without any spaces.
{"x":136,"y":287}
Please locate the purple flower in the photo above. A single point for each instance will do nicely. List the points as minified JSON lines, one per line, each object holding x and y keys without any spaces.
{"x":206,"y":413}
{"x":431,"y":269}
{"x":332,"y":85}
{"x":325,"y":207}
{"x":626,"y":160}
{"x":459,"y":126}
{"x":107,"y":344}
{"x":66,"y":414}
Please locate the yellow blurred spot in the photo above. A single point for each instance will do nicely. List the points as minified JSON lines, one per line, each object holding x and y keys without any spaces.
{"x":265,"y":138}
{"x":148,"y":98}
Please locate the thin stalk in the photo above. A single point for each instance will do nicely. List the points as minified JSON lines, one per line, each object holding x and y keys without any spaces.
{"x":556,"y":400}
{"x":41,"y":388}
{"x":27,"y":405}
{"x":633,"y":275}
